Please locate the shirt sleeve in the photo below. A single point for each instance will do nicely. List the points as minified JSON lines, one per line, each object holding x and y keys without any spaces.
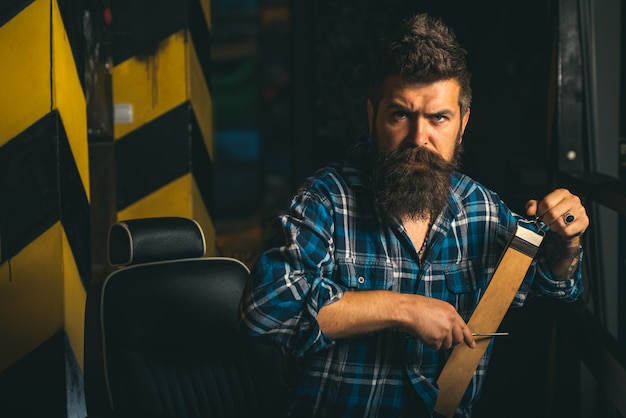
{"x":539,"y":280}
{"x":292,"y":281}
{"x":546,"y":285}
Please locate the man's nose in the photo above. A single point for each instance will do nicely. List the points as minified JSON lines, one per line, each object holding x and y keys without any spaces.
{"x":418,"y":134}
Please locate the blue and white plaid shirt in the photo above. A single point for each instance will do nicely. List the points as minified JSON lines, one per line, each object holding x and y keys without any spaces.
{"x":333,"y":241}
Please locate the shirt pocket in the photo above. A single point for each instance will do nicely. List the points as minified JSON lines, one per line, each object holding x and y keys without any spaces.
{"x":465,"y":282}
{"x":465,"y":276}
{"x":367,"y":275}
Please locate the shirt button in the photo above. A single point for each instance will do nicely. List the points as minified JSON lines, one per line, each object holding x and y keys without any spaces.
{"x":361,"y":280}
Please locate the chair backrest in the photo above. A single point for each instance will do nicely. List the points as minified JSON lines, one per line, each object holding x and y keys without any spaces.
{"x":161,"y":335}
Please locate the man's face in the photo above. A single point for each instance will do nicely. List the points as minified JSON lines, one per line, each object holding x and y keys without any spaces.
{"x":418,"y":115}
{"x":417,"y":130}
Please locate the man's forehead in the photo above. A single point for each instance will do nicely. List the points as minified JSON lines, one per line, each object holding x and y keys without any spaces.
{"x":397,"y":92}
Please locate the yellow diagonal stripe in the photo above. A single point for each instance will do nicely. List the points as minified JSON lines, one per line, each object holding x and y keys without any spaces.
{"x":75,"y":297}
{"x":25,"y":71}
{"x":153,"y":84}
{"x":31,"y":296}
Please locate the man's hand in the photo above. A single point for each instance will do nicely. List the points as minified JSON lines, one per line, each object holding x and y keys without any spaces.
{"x":437,"y":324}
{"x":563,"y":213}
{"x":567,"y":218}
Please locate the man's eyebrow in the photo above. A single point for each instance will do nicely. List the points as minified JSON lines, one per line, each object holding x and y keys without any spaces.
{"x":443,"y":112}
{"x":399,"y":106}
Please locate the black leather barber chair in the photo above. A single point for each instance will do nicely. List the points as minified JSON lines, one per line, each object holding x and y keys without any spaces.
{"x":161,"y":335}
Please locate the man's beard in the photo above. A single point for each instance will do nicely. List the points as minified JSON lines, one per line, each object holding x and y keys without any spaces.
{"x":412,"y":183}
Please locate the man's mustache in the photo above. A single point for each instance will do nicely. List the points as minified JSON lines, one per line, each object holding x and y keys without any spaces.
{"x":424,"y":156}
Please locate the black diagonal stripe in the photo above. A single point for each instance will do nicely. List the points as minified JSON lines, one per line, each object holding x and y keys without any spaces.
{"x":40,"y":184}
{"x":72,"y":13}
{"x":11,"y":8}
{"x":74,"y":208}
{"x":152,"y":156}
{"x":201,"y":38}
{"x":138,"y":26}
{"x":25,"y":381}
{"x":29,"y":185}
{"x":202,"y":166}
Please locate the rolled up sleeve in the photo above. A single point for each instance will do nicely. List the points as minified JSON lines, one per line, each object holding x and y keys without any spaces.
{"x":568,"y":290}
{"x":292,"y":281}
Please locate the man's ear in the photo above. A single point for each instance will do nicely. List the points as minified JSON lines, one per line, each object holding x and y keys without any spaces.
{"x":370,"y":116}
{"x":464,"y":120}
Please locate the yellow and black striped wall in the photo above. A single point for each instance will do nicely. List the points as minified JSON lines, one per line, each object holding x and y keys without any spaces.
{"x":163,"y":111}
{"x":44,"y":209}
{"x":163,"y":152}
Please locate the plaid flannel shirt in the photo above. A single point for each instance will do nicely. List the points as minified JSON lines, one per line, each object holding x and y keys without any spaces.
{"x":333,"y":241}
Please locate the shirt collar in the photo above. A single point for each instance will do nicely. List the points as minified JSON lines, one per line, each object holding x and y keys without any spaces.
{"x":357,"y":167}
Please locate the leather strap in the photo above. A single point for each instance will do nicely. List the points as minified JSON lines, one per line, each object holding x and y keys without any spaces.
{"x":490,"y":311}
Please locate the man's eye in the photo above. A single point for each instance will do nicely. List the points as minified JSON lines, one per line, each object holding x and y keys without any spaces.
{"x":438,"y":118}
{"x":399,"y":115}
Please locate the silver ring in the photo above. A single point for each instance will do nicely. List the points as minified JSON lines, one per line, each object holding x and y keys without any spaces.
{"x":568,"y":218}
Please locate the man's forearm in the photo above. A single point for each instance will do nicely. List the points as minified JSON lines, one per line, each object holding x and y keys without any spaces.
{"x":360,"y":312}
{"x":563,"y":257}
{"x":433,"y":321}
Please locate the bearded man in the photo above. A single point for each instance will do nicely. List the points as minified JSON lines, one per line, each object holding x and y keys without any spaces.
{"x":383,"y":259}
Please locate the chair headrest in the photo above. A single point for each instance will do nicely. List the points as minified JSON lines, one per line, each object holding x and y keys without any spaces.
{"x":146,"y":240}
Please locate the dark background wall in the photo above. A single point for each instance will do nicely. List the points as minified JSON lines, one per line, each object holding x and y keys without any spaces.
{"x":311,"y":84}
{"x":506,"y":144}
{"x":509,"y":45}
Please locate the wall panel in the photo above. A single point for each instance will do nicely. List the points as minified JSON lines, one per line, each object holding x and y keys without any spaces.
{"x":44,"y":195}
{"x":163,"y":125}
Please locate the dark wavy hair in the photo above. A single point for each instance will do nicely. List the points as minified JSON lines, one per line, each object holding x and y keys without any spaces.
{"x":421,"y":50}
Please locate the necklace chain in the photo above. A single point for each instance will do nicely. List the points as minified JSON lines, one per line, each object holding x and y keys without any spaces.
{"x":421,"y":250}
